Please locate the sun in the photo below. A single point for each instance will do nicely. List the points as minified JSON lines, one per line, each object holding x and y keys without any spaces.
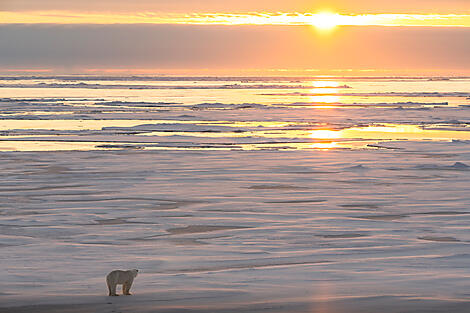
{"x":325,"y":20}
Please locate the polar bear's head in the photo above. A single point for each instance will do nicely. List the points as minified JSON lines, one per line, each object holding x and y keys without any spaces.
{"x":134,"y":272}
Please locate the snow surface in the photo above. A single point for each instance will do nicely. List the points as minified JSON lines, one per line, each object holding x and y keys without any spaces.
{"x":232,"y":206}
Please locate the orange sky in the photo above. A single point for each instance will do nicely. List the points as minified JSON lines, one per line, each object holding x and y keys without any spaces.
{"x":230,"y":6}
{"x":259,"y":36}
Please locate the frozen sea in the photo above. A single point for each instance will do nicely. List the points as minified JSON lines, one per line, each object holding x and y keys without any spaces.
{"x":324,"y":194}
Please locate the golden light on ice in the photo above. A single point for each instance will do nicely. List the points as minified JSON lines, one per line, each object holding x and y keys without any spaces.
{"x":325,"y":134}
{"x":389,"y":132}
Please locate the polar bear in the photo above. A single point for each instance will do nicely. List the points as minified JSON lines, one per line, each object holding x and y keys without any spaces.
{"x":124,"y":278}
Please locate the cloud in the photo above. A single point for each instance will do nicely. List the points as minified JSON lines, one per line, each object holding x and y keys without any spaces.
{"x":253,"y":18}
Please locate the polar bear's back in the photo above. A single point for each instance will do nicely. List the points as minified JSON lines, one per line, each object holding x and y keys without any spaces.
{"x":120,"y":277}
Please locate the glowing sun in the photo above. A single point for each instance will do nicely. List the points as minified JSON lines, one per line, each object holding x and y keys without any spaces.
{"x":326,"y":20}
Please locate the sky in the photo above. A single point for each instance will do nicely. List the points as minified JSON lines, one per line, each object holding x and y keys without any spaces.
{"x":235,"y":37}
{"x":185,"y":6}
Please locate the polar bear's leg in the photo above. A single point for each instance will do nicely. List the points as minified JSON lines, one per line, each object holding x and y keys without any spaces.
{"x":127,"y":287}
{"x":112,"y":290}
{"x":111,"y":286}
{"x":108,"y":282}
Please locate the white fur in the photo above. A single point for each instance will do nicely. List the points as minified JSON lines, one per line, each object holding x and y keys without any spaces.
{"x":124,"y":278}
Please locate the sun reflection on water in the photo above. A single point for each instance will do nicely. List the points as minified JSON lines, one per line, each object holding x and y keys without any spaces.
{"x":325,"y":99}
{"x":324,"y":145}
{"x":325,"y":134}
{"x":325,"y":84}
